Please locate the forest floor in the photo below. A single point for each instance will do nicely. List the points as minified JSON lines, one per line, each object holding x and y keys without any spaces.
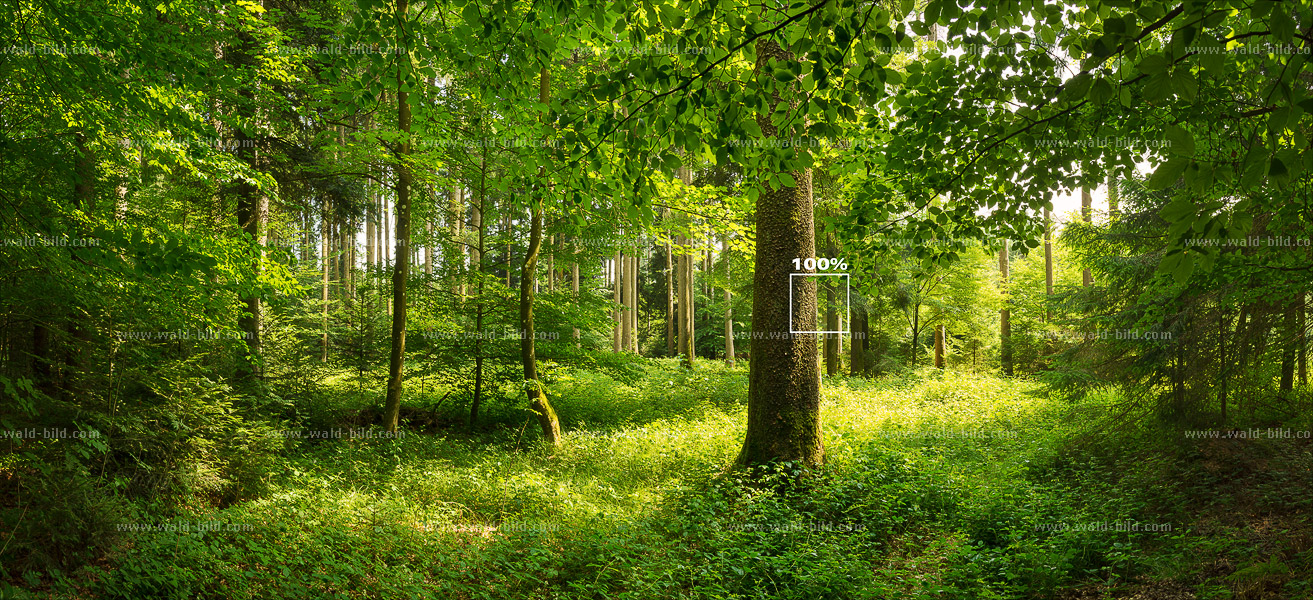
{"x":936,"y":486}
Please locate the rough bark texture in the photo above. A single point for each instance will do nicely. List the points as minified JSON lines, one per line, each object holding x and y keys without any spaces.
{"x":784,"y":419}
{"x":401,"y":270}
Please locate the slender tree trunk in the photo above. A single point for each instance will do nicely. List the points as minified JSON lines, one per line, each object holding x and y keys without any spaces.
{"x":1114,"y":197}
{"x":784,"y":419}
{"x":574,"y":289}
{"x":1005,"y":315}
{"x":729,"y":307}
{"x":1222,"y":363}
{"x":476,"y":260}
{"x":832,"y":348}
{"x":670,"y":292}
{"x":401,"y":272}
{"x":1288,"y":351}
{"x":1302,"y":342}
{"x":1048,"y":266}
{"x":537,"y":396}
{"x":1087,"y":214}
{"x":857,"y":344}
{"x":325,"y":234}
{"x":939,"y":347}
{"x":633,"y":302}
{"x":456,"y":228}
{"x":617,"y":335}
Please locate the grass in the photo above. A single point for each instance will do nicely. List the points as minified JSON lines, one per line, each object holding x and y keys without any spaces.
{"x":936,"y":486}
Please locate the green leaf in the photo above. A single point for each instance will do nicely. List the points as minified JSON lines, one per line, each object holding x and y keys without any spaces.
{"x":1180,"y":141}
{"x":1185,"y":85}
{"x":1168,"y":173}
{"x":1154,"y":64}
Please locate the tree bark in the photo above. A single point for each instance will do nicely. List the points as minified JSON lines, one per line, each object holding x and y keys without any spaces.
{"x":1288,"y":351}
{"x":633,"y":302}
{"x":1048,"y":266}
{"x":617,"y":273}
{"x":401,"y":271}
{"x":857,"y":343}
{"x":537,"y":396}
{"x":476,"y":260}
{"x":670,"y":292}
{"x":1087,"y":214}
{"x":784,"y":420}
{"x":729,"y":307}
{"x":939,"y":347}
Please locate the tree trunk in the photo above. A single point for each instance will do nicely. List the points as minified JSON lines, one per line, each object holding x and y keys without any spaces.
{"x":537,"y":396}
{"x":670,"y":293}
{"x":617,"y":333}
{"x":476,"y":260}
{"x":939,"y":347}
{"x":1302,"y":342}
{"x":1048,"y":265}
{"x":1004,"y":314}
{"x":857,"y":344}
{"x":729,"y":307}
{"x":1114,"y":197}
{"x":325,"y":234}
{"x":1288,"y":351}
{"x":784,"y":420}
{"x":401,"y":271}
{"x":633,"y":302}
{"x":1087,"y":214}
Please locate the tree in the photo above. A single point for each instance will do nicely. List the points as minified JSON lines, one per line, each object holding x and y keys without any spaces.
{"x":400,"y":270}
{"x":783,"y":369}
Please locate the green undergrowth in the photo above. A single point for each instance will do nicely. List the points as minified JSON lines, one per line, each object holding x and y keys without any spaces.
{"x":936,"y":485}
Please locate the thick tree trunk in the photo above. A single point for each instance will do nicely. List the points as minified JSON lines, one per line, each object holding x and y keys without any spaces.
{"x":1005,"y":315}
{"x":784,"y":419}
{"x":401,"y":271}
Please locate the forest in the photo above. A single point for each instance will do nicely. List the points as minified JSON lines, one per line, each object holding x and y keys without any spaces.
{"x":663,"y":299}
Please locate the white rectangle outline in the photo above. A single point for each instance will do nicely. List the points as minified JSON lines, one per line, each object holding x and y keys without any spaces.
{"x":848,"y":306}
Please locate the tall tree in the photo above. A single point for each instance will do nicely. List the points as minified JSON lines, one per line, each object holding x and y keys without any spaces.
{"x":401,"y":269}
{"x":1004,"y":313}
{"x":542,"y":407}
{"x":729,"y":306}
{"x":784,"y":420}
